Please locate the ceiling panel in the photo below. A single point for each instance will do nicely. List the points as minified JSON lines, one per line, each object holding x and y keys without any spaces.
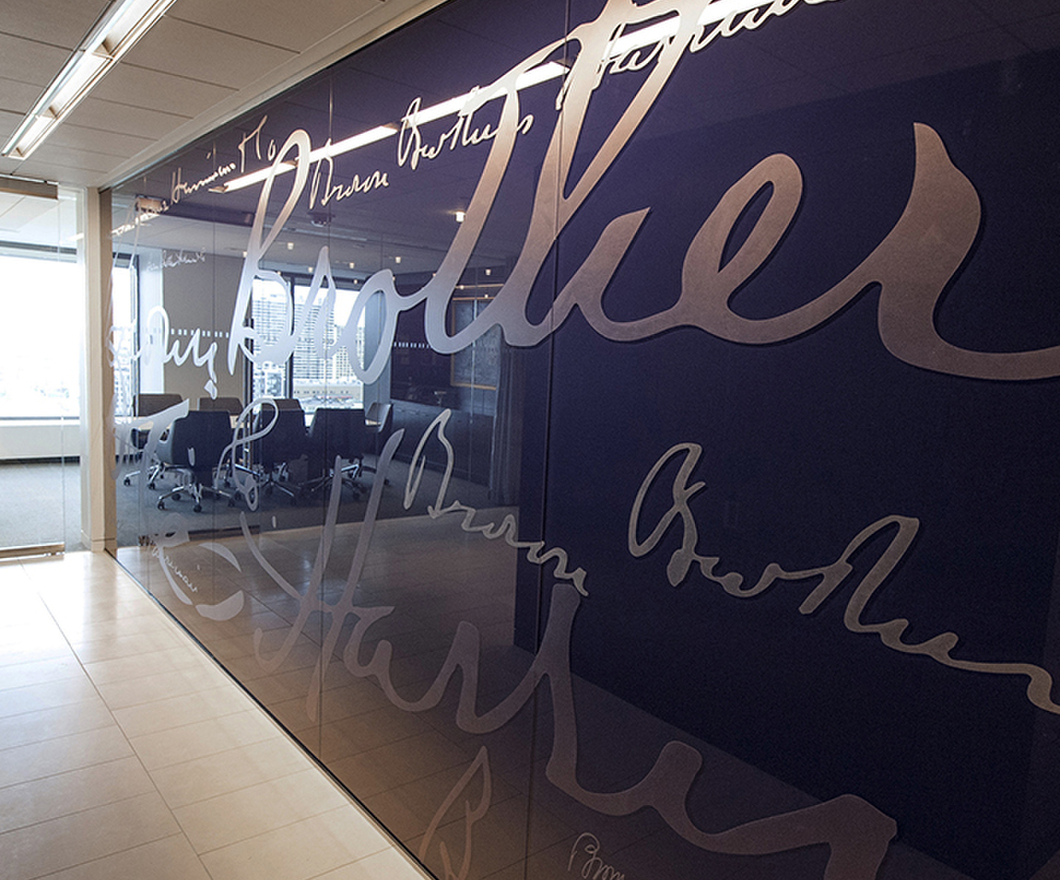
{"x":28,"y":61}
{"x":62,"y":23}
{"x":8,"y":122}
{"x":18,"y":97}
{"x":97,"y":140}
{"x":153,"y":89}
{"x":110,"y":115}
{"x":204,"y":63}
{"x":201,"y":53}
{"x":74,"y":157}
{"x":277,"y":22}
{"x":18,"y":211}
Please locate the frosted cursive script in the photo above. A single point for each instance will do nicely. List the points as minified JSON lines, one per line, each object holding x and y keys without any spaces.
{"x":934,"y":233}
{"x":857,"y":833}
{"x":830,"y":577}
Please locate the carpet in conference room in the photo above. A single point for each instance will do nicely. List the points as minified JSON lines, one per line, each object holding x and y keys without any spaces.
{"x":40,"y":503}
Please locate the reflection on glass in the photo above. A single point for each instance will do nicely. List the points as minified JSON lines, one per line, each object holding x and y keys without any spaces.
{"x":272,"y":317}
{"x":323,"y":373}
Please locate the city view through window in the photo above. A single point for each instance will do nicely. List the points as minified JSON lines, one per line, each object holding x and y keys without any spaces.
{"x":316,"y":378}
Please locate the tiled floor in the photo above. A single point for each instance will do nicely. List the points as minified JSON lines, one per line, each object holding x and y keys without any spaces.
{"x":125,"y":753}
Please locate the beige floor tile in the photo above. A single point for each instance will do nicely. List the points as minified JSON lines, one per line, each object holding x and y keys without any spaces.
{"x":191,"y":741}
{"x":85,"y":798}
{"x":187,"y":680}
{"x":92,"y":834}
{"x":112,"y":648}
{"x":46,"y":695}
{"x":47,"y":646}
{"x":142,"y":665}
{"x":390,"y":864}
{"x":40,"y":671}
{"x":80,"y":631}
{"x":224,"y":772}
{"x":170,"y":858}
{"x":31,"y":727}
{"x":180,"y":710}
{"x":62,"y":754}
{"x":267,"y":806}
{"x":66,"y":793}
{"x":72,"y":619}
{"x":299,"y":851}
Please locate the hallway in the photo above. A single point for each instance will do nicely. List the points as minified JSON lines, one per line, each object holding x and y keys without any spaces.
{"x":126,"y":753}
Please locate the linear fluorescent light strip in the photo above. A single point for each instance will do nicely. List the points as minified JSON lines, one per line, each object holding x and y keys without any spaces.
{"x":646,"y":36}
{"x":540,"y":74}
{"x":124,"y":23}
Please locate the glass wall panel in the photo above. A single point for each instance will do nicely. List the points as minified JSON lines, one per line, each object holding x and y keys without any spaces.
{"x":620,"y":441}
{"x":40,"y":359}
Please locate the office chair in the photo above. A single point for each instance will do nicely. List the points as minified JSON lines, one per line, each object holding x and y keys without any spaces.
{"x":231,"y":405}
{"x":337,"y":433}
{"x":149,"y":404}
{"x":192,"y":448}
{"x":285,"y":443}
{"x":379,"y":418}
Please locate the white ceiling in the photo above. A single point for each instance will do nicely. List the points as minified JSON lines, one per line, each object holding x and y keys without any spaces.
{"x":204,"y":62}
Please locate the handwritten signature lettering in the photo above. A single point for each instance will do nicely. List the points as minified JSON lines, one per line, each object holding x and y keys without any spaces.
{"x":159,"y":554}
{"x":508,"y":528}
{"x":857,"y":834}
{"x":338,"y":191}
{"x":411,"y":147}
{"x":178,"y":188}
{"x":158,"y":339}
{"x":831,"y":577}
{"x":172,"y":259}
{"x":934,"y":234}
{"x":587,"y":847}
{"x":743,"y":19}
{"x":480,"y":768}
{"x":254,"y":137}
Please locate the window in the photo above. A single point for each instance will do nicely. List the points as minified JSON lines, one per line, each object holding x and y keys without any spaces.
{"x":319,"y":373}
{"x":40,"y":336}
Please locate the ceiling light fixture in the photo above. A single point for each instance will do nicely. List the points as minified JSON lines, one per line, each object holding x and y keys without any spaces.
{"x":540,"y":74}
{"x":645,"y":36}
{"x":124,"y":22}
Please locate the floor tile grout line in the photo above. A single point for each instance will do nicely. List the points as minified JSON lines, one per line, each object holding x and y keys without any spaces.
{"x":135,"y":753}
{"x":73,"y":813}
{"x":116,"y":853}
{"x":252,"y":707}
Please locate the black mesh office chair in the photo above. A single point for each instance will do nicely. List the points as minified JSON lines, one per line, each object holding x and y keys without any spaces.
{"x":337,"y":433}
{"x":148,"y":404}
{"x":285,"y":443}
{"x":231,"y":405}
{"x":192,"y":449}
